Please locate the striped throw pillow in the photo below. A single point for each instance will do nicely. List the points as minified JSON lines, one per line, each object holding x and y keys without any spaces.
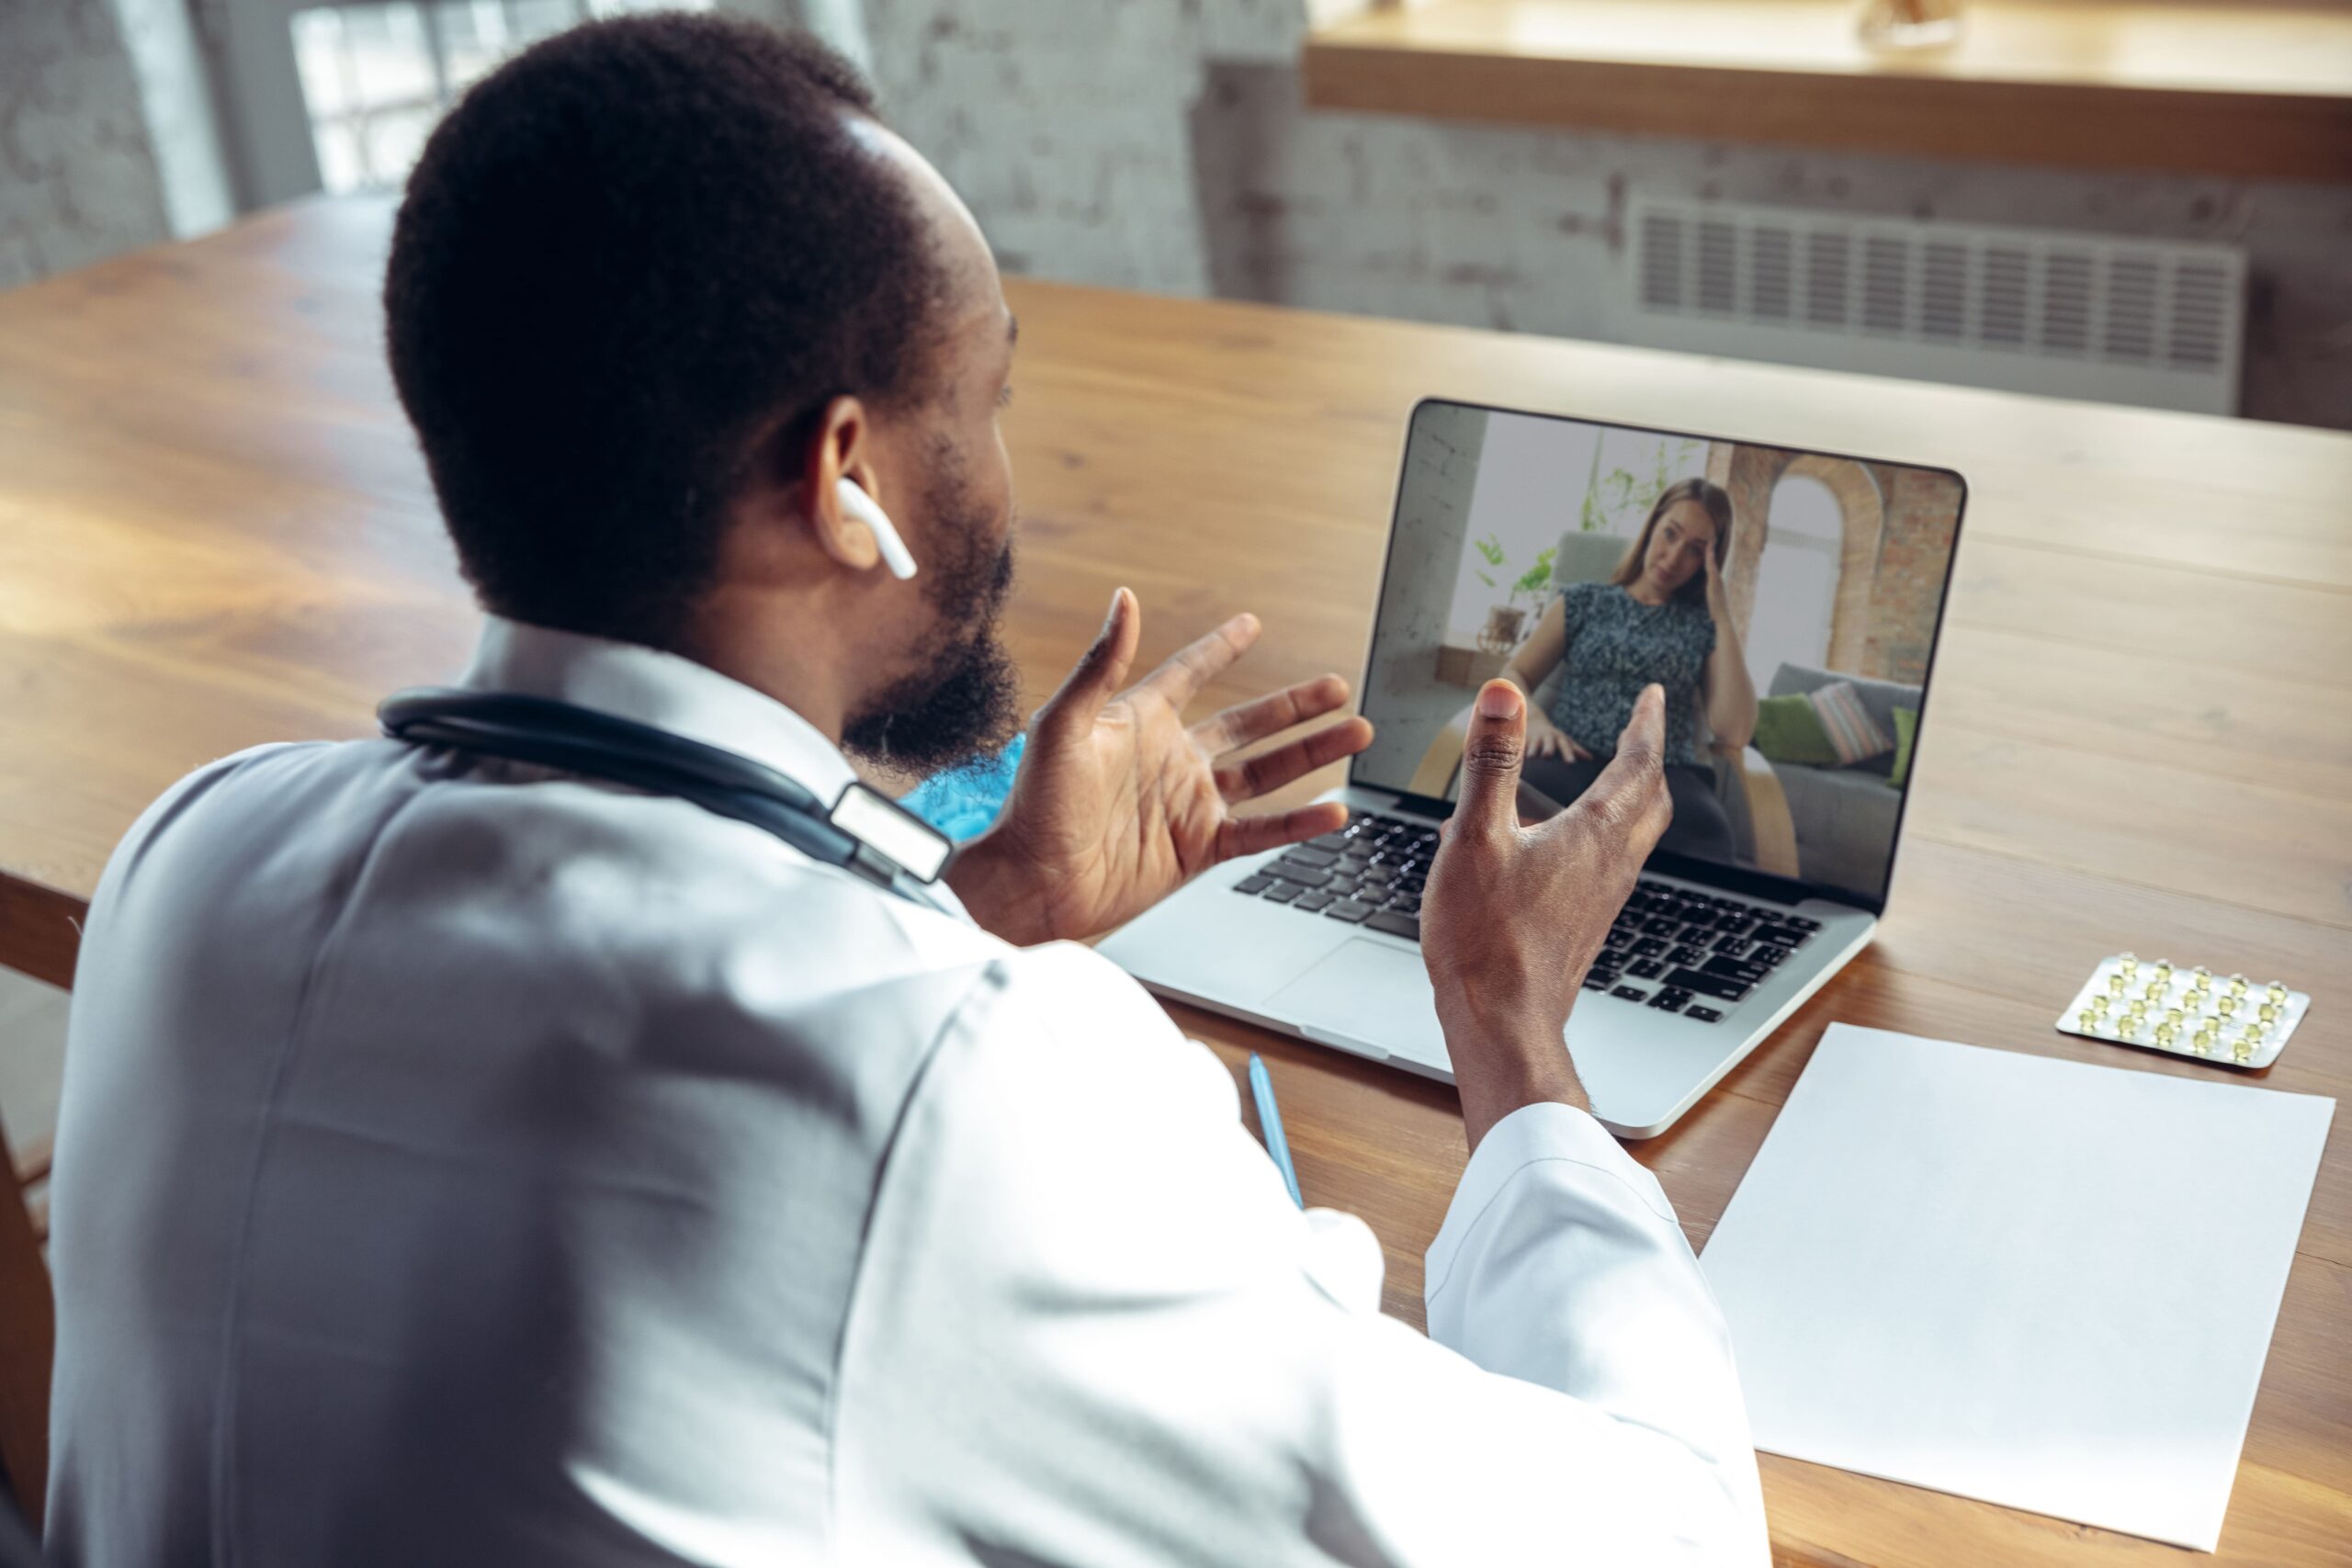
{"x":1855,"y":735}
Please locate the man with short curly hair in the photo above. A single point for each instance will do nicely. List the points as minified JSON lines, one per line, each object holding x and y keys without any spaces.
{"x":472,"y":1158}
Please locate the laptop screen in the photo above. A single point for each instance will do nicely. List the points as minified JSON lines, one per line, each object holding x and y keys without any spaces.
{"x":1787,"y":602}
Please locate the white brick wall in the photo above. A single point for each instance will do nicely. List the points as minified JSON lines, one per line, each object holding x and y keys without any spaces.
{"x":1163,"y":144}
{"x":1417,"y":594}
{"x":1063,"y":124}
{"x":77,"y":176}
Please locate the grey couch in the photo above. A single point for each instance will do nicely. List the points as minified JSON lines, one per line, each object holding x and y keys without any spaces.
{"x":1843,"y":818}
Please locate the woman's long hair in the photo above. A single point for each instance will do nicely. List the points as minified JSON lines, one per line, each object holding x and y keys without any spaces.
{"x":1718,"y":504}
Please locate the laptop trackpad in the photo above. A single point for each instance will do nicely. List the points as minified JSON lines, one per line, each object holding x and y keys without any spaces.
{"x":1369,"y":997}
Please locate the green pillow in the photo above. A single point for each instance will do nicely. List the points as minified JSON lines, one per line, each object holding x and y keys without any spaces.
{"x":1907,"y":730}
{"x":1788,"y":730}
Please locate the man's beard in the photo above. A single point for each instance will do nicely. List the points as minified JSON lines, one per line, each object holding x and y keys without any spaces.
{"x":964,"y":700}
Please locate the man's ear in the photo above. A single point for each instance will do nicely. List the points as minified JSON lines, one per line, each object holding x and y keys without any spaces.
{"x":839,"y":446}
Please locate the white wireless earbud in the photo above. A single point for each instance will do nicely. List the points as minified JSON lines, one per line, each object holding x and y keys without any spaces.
{"x":866,"y":510}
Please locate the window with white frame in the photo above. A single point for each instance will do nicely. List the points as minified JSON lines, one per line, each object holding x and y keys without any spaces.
{"x":376,"y":78}
{"x":1796,"y":580}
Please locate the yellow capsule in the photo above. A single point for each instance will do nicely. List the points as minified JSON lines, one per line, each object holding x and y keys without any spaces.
{"x":2127,"y":964}
{"x":2115,"y":984}
{"x":2156,"y":990}
{"x":2099,"y":1002}
{"x":2269,"y":1012}
{"x":2243,"y":1050}
{"x":2237,"y":985}
{"x":2172,"y":1016}
{"x":2138,"y":1009}
{"x":2278,"y":993}
{"x":2163,"y":968}
{"x":2225,"y":1005}
{"x":2200,"y":978}
{"x":2088,"y":1019}
{"x":2167,"y":1033}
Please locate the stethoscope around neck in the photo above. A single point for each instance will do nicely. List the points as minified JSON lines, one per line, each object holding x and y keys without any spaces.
{"x":863,"y":832}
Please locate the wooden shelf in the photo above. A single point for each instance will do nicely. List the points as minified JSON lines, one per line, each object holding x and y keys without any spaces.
{"x":2220,"y":87}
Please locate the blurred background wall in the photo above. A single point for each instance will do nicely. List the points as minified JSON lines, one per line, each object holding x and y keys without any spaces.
{"x":78,"y":178}
{"x":1154,"y":145}
{"x":1165,"y":147}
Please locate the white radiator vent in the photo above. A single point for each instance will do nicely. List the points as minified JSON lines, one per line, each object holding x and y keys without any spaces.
{"x":2032,"y":310}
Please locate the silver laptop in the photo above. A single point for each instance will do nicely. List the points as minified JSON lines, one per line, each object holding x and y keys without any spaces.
{"x":1515,"y":534}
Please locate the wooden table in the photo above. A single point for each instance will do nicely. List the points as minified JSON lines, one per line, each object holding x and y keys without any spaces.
{"x":215,"y":531}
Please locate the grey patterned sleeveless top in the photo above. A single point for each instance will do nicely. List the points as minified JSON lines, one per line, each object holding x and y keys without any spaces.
{"x":1618,"y":644}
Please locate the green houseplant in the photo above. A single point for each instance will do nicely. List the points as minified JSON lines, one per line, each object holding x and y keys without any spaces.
{"x":1505,"y":622}
{"x":1616,"y":501}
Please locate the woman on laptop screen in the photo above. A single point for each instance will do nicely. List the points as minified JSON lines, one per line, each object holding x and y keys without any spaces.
{"x":1661,"y":617}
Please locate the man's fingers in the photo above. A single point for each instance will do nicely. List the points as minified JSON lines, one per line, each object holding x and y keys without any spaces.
{"x":1238,"y":781}
{"x":1194,"y":665}
{"x":1252,"y":721}
{"x":1255,"y":835}
{"x":1099,"y":672}
{"x":1632,"y":788}
{"x":1490,"y":759}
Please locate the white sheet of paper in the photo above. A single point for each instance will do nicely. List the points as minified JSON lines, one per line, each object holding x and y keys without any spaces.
{"x":2039,"y":1284}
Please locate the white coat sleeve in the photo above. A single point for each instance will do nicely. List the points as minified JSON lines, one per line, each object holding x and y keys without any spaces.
{"x":1090,"y":1327}
{"x":1561,"y":1263}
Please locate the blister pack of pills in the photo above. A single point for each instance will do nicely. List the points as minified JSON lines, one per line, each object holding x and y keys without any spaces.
{"x":2227,"y":1019}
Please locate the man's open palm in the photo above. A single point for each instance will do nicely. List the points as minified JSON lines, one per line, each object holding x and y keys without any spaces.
{"x":1118,"y":802}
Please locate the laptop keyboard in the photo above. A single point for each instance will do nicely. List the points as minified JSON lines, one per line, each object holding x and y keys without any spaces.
{"x":1676,"y":948}
{"x":1698,"y":954}
{"x":1369,"y":872}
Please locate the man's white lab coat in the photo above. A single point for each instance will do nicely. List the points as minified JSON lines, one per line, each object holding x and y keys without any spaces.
{"x":465,"y":1165}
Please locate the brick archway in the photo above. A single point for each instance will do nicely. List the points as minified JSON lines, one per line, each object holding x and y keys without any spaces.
{"x":1863,"y":510}
{"x":1750,"y":475}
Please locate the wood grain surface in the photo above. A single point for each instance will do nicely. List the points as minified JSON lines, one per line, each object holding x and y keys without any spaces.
{"x":215,"y":531}
{"x":2249,"y":88}
{"x":27,"y":1340}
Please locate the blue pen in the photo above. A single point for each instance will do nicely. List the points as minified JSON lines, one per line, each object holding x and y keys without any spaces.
{"x":1270,"y":1122}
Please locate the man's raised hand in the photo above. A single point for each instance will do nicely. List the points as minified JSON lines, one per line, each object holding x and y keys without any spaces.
{"x":1513,"y":916}
{"x":1118,"y":802}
